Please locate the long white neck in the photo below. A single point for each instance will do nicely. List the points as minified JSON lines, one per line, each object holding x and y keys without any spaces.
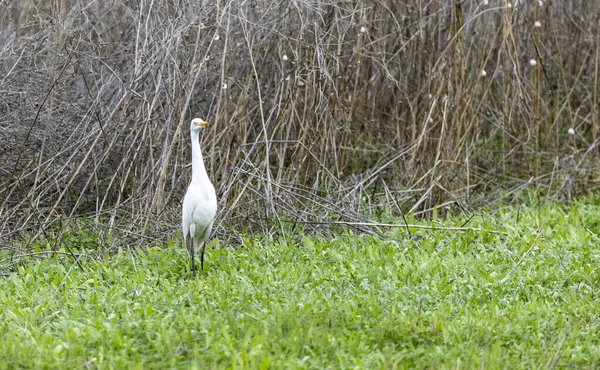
{"x":199,"y":174}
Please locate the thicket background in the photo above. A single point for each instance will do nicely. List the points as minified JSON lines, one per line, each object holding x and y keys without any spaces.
{"x":320,"y":110}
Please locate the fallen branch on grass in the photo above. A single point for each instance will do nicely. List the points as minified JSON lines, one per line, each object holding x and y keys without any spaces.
{"x":378,"y":224}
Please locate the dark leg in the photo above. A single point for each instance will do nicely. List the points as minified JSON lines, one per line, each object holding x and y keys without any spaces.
{"x":202,"y":256}
{"x":193,"y":263}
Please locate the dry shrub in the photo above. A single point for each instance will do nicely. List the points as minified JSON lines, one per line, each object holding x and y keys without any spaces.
{"x":319,"y":110}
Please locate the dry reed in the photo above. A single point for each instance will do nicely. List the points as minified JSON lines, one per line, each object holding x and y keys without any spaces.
{"x":319,"y":110}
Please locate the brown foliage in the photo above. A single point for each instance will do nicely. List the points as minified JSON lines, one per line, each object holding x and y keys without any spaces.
{"x":318,"y":109}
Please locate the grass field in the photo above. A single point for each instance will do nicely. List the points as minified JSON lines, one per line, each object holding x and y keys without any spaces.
{"x":519,"y":293}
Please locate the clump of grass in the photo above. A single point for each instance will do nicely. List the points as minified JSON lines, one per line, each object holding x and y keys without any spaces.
{"x":518,"y":291}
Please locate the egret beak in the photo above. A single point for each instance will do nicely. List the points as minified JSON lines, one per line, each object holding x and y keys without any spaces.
{"x":201,"y":123}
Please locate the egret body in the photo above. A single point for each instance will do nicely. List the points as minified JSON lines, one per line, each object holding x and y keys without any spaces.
{"x":200,"y":202}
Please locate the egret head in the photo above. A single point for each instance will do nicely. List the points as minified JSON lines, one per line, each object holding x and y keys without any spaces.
{"x":197,"y":124}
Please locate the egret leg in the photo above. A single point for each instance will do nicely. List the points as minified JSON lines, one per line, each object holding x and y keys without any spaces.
{"x":202,"y":256}
{"x":193,"y":262}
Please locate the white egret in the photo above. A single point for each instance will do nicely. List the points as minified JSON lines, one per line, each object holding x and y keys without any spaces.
{"x":200,"y":202}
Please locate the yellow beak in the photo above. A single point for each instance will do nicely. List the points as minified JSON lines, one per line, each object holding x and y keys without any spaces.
{"x":201,"y":123}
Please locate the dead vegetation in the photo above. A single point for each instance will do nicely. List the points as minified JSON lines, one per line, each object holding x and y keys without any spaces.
{"x":319,"y":110}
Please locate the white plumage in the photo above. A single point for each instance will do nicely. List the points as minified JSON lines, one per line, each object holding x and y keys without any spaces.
{"x":200,"y":202}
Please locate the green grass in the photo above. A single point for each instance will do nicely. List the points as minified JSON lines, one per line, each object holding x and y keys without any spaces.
{"x":524,"y":298}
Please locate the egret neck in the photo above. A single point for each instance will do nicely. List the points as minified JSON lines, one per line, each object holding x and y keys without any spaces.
{"x":199,"y":175}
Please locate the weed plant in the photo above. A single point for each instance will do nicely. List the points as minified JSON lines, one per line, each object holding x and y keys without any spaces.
{"x":518,"y":290}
